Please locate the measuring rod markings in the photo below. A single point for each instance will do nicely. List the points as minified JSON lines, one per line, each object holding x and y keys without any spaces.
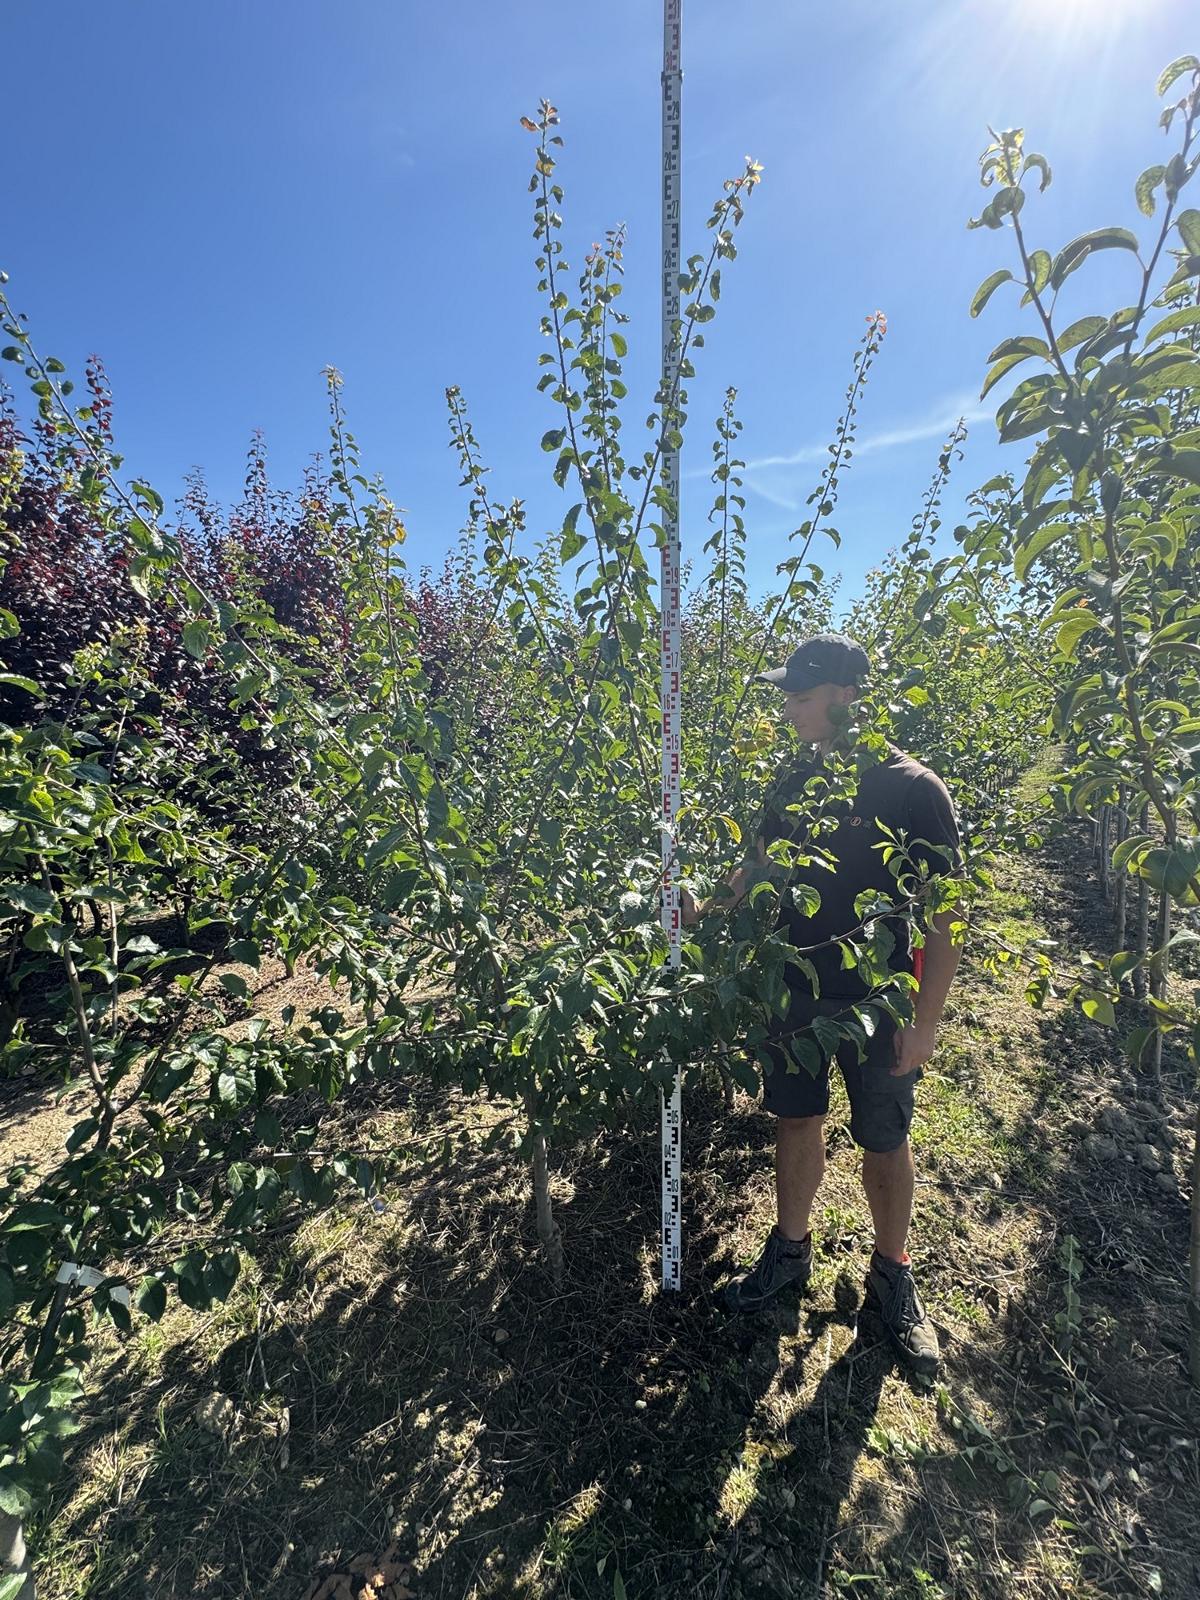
{"x":672,"y":1109}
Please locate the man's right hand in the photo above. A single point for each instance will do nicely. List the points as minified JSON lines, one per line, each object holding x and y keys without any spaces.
{"x":689,"y":911}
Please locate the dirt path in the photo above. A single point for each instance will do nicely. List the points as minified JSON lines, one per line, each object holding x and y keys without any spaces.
{"x":415,"y":1404}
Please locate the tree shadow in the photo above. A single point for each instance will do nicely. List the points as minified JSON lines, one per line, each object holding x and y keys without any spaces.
{"x":515,"y":1436}
{"x":441,"y":1390}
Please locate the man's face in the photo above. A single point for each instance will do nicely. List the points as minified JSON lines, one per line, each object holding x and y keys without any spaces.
{"x":813,"y":712}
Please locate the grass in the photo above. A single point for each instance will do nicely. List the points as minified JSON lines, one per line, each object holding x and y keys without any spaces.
{"x":415,"y":1400}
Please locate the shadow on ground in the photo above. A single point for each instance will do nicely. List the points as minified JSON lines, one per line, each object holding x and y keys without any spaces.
{"x":513,"y":1437}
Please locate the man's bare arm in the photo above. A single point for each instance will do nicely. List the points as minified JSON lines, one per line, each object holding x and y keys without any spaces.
{"x":914,"y":1045}
{"x":737,"y":886}
{"x":942,"y":957}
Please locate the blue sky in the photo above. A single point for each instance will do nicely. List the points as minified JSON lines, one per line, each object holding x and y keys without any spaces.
{"x":221,"y":199}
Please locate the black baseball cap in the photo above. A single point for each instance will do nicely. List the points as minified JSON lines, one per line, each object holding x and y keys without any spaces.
{"x":824,"y":658}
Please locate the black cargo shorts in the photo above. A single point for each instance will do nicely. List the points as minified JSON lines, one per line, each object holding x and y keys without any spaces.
{"x":881,"y":1106}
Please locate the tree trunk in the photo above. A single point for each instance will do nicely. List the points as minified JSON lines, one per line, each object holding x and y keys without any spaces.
{"x":549,"y":1237}
{"x":726,"y":1075}
{"x":1122,"y":876}
{"x":1143,"y":918}
{"x":14,"y":1558}
{"x":1159,"y":968}
{"x":1193,"y":1304}
{"x":1105,"y":852}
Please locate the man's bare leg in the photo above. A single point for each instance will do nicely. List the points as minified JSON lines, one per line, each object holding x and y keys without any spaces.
{"x":787,"y":1256}
{"x":888,"y":1179}
{"x":799,"y":1168}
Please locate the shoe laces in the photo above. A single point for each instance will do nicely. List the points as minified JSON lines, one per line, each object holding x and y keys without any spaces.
{"x":903,"y":1305}
{"x":770,"y":1256}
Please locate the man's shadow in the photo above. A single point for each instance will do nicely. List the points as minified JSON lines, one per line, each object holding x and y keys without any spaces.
{"x":796,"y":1469}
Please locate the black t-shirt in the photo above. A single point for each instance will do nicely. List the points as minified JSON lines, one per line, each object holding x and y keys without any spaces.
{"x":898,"y":792}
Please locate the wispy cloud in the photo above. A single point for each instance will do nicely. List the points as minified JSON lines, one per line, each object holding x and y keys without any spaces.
{"x":769,"y":478}
{"x":936,"y":425}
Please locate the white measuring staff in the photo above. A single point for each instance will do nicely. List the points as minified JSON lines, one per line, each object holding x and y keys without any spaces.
{"x":672,"y":1109}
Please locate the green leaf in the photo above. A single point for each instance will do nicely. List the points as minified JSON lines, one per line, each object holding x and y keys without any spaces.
{"x":1130,"y":847}
{"x":221,"y":1274}
{"x":987,"y":288}
{"x":81,"y":1133}
{"x":1173,"y":870}
{"x":1075,"y":253}
{"x":1043,"y":166}
{"x":91,"y":772}
{"x":1135,"y":1042}
{"x":138,"y":569}
{"x":16,"y":680}
{"x":1122,"y":964}
{"x":572,"y":540}
{"x":1188,"y":223}
{"x":196,"y":638}
{"x":1041,"y":541}
{"x":618,"y":1586}
{"x":33,"y":1216}
{"x":552,"y":439}
{"x":1023,"y":345}
{"x":1039,"y":266}
{"x":1084,"y":328}
{"x":1189,"y":267}
{"x":1040,"y":514}
{"x":1100,"y":1008}
{"x":1145,"y":187}
{"x":11,"y":1585}
{"x":149,"y":495}
{"x":1177,"y":68}
{"x":13,"y":1498}
{"x":1181,"y":464}
{"x":234,"y":984}
{"x":194,"y":1294}
{"x":1072,"y":631}
{"x":1005,"y":364}
{"x":1187,"y":317}
{"x":151,"y":1298}
{"x":620,"y":347}
{"x":1007,"y":203}
{"x":1185,"y":628}
{"x":28,"y":897}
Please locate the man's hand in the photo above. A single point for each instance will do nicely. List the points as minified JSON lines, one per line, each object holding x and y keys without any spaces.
{"x":728,"y":894}
{"x":912,"y":1048}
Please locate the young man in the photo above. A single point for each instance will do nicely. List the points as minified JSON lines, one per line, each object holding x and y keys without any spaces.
{"x":819,"y":683}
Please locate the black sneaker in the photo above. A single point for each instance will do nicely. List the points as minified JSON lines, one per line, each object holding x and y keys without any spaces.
{"x":893,"y":1294}
{"x":782,"y":1262}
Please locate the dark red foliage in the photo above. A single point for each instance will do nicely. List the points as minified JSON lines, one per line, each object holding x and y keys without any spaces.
{"x":453,"y":618}
{"x":275,"y":545}
{"x":66,"y":579}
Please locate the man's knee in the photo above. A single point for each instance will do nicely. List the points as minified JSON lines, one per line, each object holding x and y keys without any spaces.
{"x":899,"y":1155}
{"x":799,"y":1130}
